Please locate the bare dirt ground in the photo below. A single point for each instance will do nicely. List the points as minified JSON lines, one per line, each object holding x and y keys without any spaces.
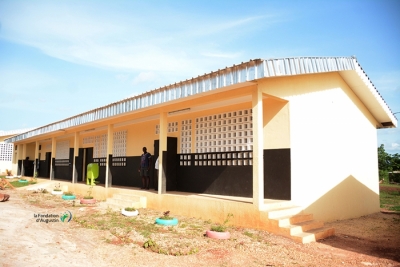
{"x":98,"y":237}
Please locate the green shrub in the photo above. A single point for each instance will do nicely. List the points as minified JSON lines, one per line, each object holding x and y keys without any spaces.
{"x":222,"y":227}
{"x":166,"y":216}
{"x":394,"y":177}
{"x":130,"y":209}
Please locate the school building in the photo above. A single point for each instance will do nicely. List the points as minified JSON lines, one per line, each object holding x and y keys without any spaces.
{"x":283,"y":144}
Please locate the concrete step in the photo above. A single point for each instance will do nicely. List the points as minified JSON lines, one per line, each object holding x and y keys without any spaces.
{"x":290,"y":221}
{"x":123,"y":200}
{"x":123,"y":203}
{"x":313,"y":235}
{"x":298,"y":228}
{"x":276,"y":204}
{"x":125,"y":196}
{"x":299,"y":218}
{"x":110,"y":206}
{"x":284,"y":211}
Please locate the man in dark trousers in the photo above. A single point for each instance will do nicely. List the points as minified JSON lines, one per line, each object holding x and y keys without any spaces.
{"x":144,"y":168}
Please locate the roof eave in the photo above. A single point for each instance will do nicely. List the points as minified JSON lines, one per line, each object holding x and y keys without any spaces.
{"x":236,"y":74}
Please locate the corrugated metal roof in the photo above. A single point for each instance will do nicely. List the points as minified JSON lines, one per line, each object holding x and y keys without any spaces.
{"x":244,"y":72}
{"x":13,"y":132}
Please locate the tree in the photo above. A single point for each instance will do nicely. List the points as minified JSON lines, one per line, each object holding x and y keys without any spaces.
{"x":395,"y":160}
{"x":387,"y":163}
{"x":384,"y":159}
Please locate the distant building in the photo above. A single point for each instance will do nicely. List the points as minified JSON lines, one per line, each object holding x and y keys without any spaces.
{"x":7,"y":150}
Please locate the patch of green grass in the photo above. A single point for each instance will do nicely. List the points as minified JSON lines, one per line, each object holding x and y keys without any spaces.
{"x":166,"y":240}
{"x":251,"y":235}
{"x":395,"y":208}
{"x":178,"y":249}
{"x":146,"y":230}
{"x":389,"y":185}
{"x":257,"y":236}
{"x":196,"y":227}
{"x":117,"y":224}
{"x":18,"y":184}
{"x":182,"y":225}
{"x":390,"y":200}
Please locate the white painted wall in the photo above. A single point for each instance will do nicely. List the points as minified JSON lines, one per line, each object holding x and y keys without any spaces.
{"x":333,"y":147}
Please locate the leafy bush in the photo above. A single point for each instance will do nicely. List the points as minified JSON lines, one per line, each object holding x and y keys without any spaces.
{"x":166,"y":216}
{"x":57,"y":187}
{"x":41,"y":190}
{"x":89,"y":193}
{"x":394,"y":177}
{"x":130,"y":209}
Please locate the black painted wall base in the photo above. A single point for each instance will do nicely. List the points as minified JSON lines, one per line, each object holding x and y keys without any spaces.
{"x":128,"y":175}
{"x":63,"y":173}
{"x":44,"y":169}
{"x":277,"y":174}
{"x":28,"y":167}
{"x":218,"y":180}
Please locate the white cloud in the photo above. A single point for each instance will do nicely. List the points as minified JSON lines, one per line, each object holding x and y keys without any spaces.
{"x":388,"y":81}
{"x":20,"y":80}
{"x":91,"y":35}
{"x":144,"y":77}
{"x":122,"y":77}
{"x":213,"y":27}
{"x":221,"y":55}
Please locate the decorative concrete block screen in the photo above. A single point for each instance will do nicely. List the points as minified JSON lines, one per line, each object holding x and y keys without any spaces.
{"x":186,"y":136}
{"x":101,"y":161}
{"x":119,"y":147}
{"x":100,"y":149}
{"x":224,"y":139}
{"x":6,"y":151}
{"x":230,"y":131}
{"x":172,"y":127}
{"x":242,"y":158}
{"x":62,"y":153}
{"x":118,"y":161}
{"x":88,"y":140}
{"x":100,"y":146}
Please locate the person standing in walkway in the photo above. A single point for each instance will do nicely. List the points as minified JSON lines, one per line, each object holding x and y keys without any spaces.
{"x":144,"y":168}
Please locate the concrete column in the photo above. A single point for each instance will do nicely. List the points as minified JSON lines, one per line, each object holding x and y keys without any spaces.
{"x":258,"y":149}
{"x":76,"y":154}
{"x":162,"y":181}
{"x":110,"y":144}
{"x":17,"y":157}
{"x":53,"y":156}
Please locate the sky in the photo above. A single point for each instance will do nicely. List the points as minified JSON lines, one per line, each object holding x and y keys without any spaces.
{"x":61,"y":58}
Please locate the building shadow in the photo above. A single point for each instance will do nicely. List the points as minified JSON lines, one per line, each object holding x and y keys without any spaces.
{"x":343,"y":201}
